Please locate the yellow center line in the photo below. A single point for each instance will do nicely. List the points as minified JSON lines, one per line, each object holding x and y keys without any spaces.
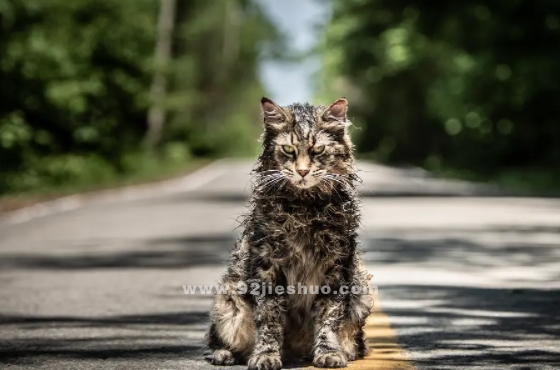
{"x":385,"y":352}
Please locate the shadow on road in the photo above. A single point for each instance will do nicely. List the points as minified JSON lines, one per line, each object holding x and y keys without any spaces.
{"x":464,"y":249}
{"x":460,"y":324}
{"x":175,"y":318}
{"x":180,"y":252}
{"x":157,"y":336}
{"x":450,"y":327}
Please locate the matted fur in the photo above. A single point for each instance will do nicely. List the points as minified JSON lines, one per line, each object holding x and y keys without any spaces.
{"x":301,"y":228}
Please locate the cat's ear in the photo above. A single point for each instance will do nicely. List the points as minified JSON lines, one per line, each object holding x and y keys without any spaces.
{"x":274,"y":116}
{"x":334,"y":117}
{"x":336,"y":112}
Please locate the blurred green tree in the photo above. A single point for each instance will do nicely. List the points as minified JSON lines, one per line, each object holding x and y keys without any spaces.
{"x":76,"y":76}
{"x":214,"y":79}
{"x":466,"y":84}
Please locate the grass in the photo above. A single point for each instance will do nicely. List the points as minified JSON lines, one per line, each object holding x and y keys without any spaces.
{"x":141,"y":175}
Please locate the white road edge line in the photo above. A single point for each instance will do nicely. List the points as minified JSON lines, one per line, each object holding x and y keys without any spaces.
{"x":188,"y":182}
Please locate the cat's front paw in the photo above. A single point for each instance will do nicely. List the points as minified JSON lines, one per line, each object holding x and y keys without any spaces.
{"x":265,"y":361}
{"x":223,"y":357}
{"x":330,"y":360}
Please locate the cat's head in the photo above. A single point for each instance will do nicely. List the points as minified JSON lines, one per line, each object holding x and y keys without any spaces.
{"x":306,"y":146}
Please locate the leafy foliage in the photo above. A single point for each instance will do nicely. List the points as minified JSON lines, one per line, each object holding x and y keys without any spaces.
{"x":76,"y":77}
{"x":468,"y":84}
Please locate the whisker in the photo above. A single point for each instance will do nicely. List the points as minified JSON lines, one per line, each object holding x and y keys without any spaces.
{"x":269,"y":181}
{"x":332,"y":178}
{"x":331,"y":186}
{"x":269,"y":176}
{"x":272,"y":183}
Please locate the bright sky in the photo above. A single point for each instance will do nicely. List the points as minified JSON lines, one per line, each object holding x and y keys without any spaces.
{"x":287,"y":83}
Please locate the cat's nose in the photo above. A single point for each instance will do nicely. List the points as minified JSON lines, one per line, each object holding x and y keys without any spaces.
{"x":302,"y":173}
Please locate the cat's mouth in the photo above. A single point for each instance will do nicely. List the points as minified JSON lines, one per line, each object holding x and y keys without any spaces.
{"x":304,"y":183}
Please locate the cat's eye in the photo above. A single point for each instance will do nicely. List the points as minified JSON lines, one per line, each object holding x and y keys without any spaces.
{"x":318,"y":149}
{"x":288,"y":149}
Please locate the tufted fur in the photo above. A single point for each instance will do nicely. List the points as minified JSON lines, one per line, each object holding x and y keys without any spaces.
{"x":299,"y":229}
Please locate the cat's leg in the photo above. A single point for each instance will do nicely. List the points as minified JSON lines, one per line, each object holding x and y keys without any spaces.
{"x":328,"y":317}
{"x":352,"y":336}
{"x":270,"y":318}
{"x":360,"y":343}
{"x":220,"y":355}
{"x":353,"y":341}
{"x":231,"y":334}
{"x":360,"y":306}
{"x":328,"y":312}
{"x":348,"y":332}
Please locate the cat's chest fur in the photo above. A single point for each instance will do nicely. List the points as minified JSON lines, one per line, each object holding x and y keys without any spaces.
{"x":303,"y":269}
{"x":307,"y":250}
{"x":302,"y":233}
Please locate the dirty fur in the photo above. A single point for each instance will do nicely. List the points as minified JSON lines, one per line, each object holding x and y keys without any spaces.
{"x":301,"y":228}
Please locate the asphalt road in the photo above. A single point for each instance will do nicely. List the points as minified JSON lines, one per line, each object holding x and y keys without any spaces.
{"x":466,"y":281}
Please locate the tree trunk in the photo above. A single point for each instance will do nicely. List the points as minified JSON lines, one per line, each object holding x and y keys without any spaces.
{"x":156,"y":113}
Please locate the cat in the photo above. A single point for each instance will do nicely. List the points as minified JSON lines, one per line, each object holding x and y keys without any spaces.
{"x":301,"y":228}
